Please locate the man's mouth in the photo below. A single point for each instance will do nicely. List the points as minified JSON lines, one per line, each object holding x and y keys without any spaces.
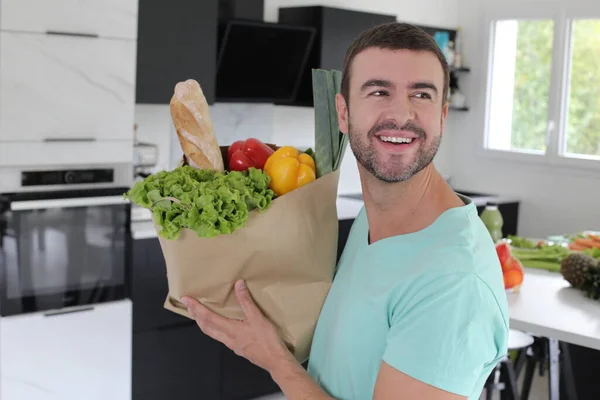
{"x":395,"y":139}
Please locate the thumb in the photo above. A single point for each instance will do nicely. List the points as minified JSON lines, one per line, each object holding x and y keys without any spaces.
{"x":245,"y":299}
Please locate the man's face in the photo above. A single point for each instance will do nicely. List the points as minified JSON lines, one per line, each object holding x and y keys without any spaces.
{"x":394,"y":116}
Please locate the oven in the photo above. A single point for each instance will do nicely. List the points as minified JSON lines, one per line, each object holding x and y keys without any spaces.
{"x":63,"y":248}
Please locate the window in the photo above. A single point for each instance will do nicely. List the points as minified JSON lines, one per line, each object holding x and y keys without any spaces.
{"x":544,"y":87}
{"x":582,"y":130}
{"x":520,"y":85}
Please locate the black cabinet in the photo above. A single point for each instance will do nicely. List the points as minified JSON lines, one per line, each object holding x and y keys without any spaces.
{"x":176,"y":363}
{"x":149,"y":288}
{"x":175,"y":43}
{"x":243,"y":380}
{"x":336,"y":30}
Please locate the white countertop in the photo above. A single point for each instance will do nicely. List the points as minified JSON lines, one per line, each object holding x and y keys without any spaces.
{"x":547,"y":306}
{"x":143,"y":228}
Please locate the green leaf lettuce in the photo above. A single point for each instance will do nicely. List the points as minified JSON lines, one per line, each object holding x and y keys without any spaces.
{"x":208,"y":202}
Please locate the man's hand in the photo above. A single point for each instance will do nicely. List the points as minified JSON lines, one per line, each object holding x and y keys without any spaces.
{"x":254,"y":338}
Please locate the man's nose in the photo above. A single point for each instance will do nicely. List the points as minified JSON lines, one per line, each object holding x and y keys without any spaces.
{"x":401,"y":110}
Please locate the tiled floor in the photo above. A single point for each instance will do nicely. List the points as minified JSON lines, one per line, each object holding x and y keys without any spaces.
{"x":539,"y":391}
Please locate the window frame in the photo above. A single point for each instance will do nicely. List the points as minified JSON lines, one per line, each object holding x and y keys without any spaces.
{"x":563,"y":17}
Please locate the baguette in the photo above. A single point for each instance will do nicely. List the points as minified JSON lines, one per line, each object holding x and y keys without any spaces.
{"x":194,"y":127}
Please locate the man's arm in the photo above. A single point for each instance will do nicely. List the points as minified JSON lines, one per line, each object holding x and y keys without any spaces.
{"x":395,"y":385}
{"x":296,"y":383}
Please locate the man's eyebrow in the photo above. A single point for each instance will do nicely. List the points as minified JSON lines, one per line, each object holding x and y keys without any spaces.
{"x":376,"y":82}
{"x":424,"y":85}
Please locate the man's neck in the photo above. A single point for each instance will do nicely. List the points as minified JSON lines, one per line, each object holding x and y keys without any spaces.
{"x":405,"y":207}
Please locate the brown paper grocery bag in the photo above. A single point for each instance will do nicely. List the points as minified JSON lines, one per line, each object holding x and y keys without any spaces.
{"x":285,"y":254}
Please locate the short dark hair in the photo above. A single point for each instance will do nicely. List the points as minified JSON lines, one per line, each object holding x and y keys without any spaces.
{"x":394,"y":36}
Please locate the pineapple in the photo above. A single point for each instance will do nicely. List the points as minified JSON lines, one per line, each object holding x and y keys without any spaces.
{"x":591,"y":285}
{"x":575,"y":267}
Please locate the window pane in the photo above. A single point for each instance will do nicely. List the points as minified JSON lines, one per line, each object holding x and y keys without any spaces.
{"x":522,"y":62}
{"x":583,"y":123}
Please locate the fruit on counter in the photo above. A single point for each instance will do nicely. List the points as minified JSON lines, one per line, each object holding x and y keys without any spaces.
{"x":591,"y":286}
{"x":512,"y":269}
{"x":289,"y":169}
{"x":582,"y":271}
{"x":575,"y":266}
{"x":245,"y":154}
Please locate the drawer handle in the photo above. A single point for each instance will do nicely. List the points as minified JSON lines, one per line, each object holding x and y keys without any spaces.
{"x":87,"y":35}
{"x":68,"y":311}
{"x":60,"y":140}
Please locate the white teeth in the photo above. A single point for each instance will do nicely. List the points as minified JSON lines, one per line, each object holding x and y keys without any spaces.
{"x":395,"y":139}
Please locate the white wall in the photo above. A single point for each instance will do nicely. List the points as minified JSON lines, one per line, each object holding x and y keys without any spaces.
{"x":554,"y":200}
{"x":295,"y":125}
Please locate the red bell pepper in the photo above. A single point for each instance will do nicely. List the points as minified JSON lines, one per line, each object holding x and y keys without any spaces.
{"x":244,"y":154}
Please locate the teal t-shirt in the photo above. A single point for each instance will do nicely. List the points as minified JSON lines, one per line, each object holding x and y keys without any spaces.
{"x":431,"y":304}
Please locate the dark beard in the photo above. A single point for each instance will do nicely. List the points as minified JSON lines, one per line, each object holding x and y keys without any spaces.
{"x":398,"y":172}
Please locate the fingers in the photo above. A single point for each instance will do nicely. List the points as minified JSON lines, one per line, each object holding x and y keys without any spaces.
{"x":251,"y":311}
{"x":212,"y":324}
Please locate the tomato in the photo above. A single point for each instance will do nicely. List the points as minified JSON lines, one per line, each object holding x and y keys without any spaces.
{"x":249,"y":153}
{"x":503,"y":251}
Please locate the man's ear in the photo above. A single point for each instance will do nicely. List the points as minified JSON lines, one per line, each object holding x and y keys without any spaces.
{"x":342,"y":112}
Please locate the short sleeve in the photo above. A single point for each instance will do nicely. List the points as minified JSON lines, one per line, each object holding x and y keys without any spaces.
{"x":448,"y":334}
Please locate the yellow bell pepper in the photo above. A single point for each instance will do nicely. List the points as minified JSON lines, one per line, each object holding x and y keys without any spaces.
{"x":289,"y":170}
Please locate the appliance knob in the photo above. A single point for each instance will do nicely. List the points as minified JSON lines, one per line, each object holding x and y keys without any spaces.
{"x":70,"y":177}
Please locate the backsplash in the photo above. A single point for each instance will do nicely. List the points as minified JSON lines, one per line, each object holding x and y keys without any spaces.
{"x":280,"y":125}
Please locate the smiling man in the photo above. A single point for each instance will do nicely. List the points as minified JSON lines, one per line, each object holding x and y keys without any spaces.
{"x":417,"y":309}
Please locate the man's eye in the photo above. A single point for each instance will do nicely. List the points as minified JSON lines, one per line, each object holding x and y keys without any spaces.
{"x":423,"y":95}
{"x":379,"y":93}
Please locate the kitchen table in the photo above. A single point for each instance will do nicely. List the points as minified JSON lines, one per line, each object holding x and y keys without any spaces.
{"x":547,"y":306}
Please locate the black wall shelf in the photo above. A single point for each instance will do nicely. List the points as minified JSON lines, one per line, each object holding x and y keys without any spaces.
{"x":461,"y":69}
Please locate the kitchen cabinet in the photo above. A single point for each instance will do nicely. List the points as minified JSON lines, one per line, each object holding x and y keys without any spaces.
{"x":243,"y":380}
{"x":60,"y":153}
{"x":178,"y":362}
{"x":43,"y":354}
{"x":65,"y":88}
{"x":149,"y":288}
{"x":104,"y":18}
{"x":336,"y":30}
{"x":175,"y":43}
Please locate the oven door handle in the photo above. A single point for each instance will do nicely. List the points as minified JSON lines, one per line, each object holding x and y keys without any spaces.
{"x":67,"y":203}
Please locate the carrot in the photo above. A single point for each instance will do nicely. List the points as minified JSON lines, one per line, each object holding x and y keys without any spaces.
{"x":587,"y":243}
{"x":594,"y":238}
{"x":576,"y":247}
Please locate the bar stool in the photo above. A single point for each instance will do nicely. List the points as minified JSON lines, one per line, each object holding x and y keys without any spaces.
{"x":504,"y":376}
